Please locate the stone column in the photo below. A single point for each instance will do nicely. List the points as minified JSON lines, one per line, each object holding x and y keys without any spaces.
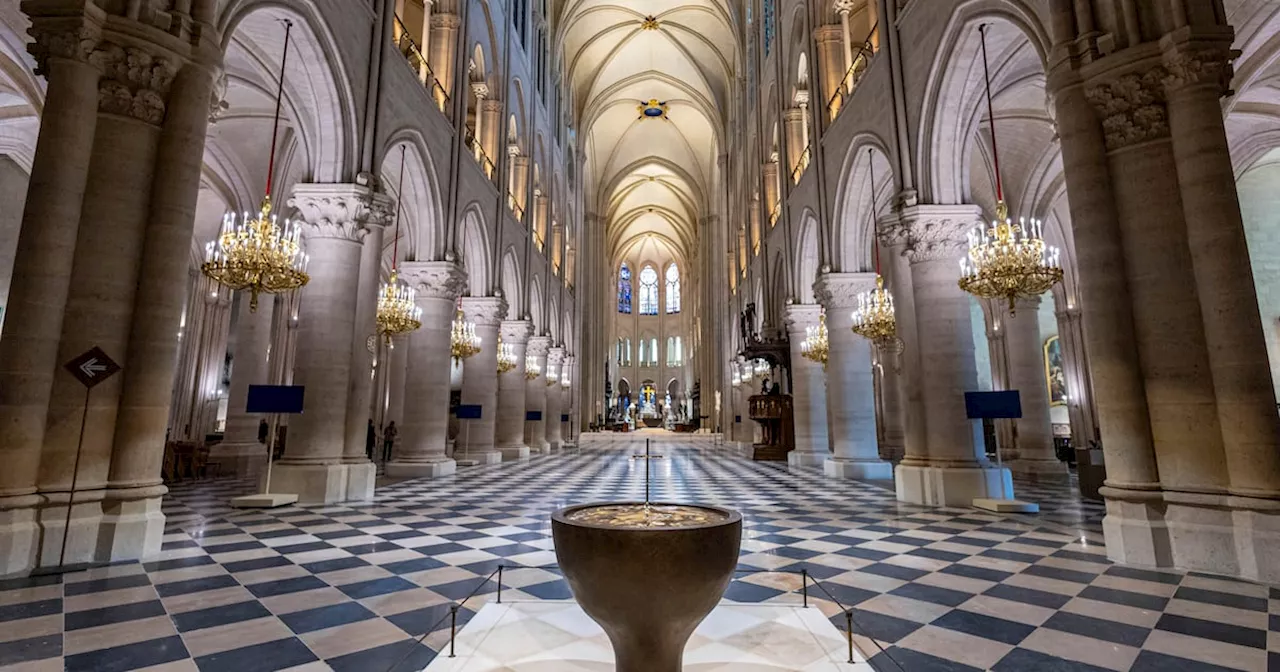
{"x":903,"y":382}
{"x":1036,"y":458}
{"x":953,"y":469}
{"x":397,"y":370}
{"x":491,"y":136}
{"x":535,"y":401}
{"x":481,"y":91}
{"x":511,"y":392}
{"x":851,"y":408}
{"x":441,"y":49}
{"x":480,"y":382}
{"x":1199,"y":74}
{"x":831,"y":66}
{"x":567,"y":438}
{"x":519,"y":184}
{"x":1075,"y":363}
{"x":769,"y":173}
{"x":361,"y":472}
{"x":555,"y":359}
{"x":42,"y":274}
{"x":808,"y":393}
{"x":334,"y":223}
{"x":240,"y":451}
{"x":893,"y":420}
{"x":425,"y":427}
{"x":540,"y":219}
{"x":793,"y":125}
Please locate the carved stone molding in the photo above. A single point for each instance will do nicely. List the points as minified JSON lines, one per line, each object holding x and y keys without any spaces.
{"x":343,"y":211}
{"x":1193,"y":67}
{"x":839,"y":291}
{"x":485,"y":311}
{"x":555,"y":357}
{"x":538,"y":346}
{"x":515,"y":331}
{"x":56,"y":39}
{"x":218,"y":104}
{"x":798,"y":316}
{"x":938,"y":232}
{"x":135,"y":82}
{"x":448,"y":21}
{"x":435,"y":279}
{"x":1131,"y":107}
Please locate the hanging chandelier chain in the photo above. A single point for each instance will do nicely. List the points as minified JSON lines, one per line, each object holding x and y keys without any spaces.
{"x":275,"y":128}
{"x":991,"y":114}
{"x":395,"y":245}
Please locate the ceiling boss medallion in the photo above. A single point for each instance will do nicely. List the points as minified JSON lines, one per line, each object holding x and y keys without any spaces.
{"x":650,"y":23}
{"x":653,"y":109}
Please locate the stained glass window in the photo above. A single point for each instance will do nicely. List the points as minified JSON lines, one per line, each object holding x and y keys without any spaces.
{"x":766,"y":19}
{"x":673,"y":289}
{"x":624,"y":289}
{"x":648,"y":291}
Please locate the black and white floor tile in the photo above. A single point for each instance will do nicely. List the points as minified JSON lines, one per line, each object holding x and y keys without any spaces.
{"x":370,"y":587}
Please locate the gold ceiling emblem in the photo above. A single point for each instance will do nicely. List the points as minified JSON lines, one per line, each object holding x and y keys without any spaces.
{"x":650,"y":23}
{"x":652,"y":108}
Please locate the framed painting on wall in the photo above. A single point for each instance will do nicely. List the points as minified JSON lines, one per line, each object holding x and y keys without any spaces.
{"x":1055,"y":378}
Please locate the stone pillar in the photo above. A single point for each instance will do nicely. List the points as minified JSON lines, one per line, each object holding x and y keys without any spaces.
{"x":335,"y":221}
{"x":1199,"y":74}
{"x":1075,"y":363}
{"x":481,"y":91}
{"x":892,"y":427}
{"x":519,"y":184}
{"x":491,"y":135}
{"x":953,"y":469}
{"x":425,"y":426}
{"x":567,"y":436}
{"x":1036,"y":458}
{"x":535,"y":401}
{"x":793,"y":124}
{"x":555,"y":359}
{"x":540,"y":220}
{"x":441,"y":48}
{"x":851,"y":408}
{"x":361,"y":472}
{"x":240,"y":451}
{"x":844,"y":8}
{"x":397,"y":369}
{"x":480,"y":382}
{"x":769,"y":174}
{"x":831,"y":66}
{"x":808,"y":393}
{"x":903,"y":382}
{"x":42,"y":275}
{"x":511,"y":392}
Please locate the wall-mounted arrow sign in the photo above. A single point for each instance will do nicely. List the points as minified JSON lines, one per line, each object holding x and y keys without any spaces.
{"x":92,"y":367}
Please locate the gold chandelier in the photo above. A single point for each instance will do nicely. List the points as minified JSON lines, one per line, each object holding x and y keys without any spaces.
{"x":815,"y":346}
{"x":398,"y":311}
{"x":506,"y":357}
{"x":874,"y":318}
{"x":1007,"y":261}
{"x":531,"y":368}
{"x":464,"y":342}
{"x":258,"y":253}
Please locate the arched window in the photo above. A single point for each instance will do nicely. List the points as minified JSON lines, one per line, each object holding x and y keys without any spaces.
{"x":673,"y":289}
{"x":624,"y":289}
{"x":648,"y":291}
{"x":675,"y":351}
{"x":624,"y":352}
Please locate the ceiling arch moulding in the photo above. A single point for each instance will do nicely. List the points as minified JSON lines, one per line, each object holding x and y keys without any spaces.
{"x":614,"y":95}
{"x":618,"y":199}
{"x":619,"y":228}
{"x":638,"y":166}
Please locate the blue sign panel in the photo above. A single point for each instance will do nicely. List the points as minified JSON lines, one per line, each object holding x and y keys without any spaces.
{"x":468,"y":411}
{"x":533,"y":415}
{"x":993,"y":405}
{"x":274,"y":399}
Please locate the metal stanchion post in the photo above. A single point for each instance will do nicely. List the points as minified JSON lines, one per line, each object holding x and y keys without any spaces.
{"x":453,"y":628}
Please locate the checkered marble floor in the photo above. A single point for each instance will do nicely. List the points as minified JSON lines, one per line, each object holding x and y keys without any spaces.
{"x":369,"y":587}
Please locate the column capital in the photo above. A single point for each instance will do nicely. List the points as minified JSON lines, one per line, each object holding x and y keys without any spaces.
{"x":486,"y":311}
{"x":839,"y":291}
{"x":555,"y":356}
{"x":515,"y":331}
{"x":444,"y":20}
{"x":1131,"y":104}
{"x":843,"y":7}
{"x":828,"y":34}
{"x":538,"y":346}
{"x":73,"y":38}
{"x":434,"y":279}
{"x":490,"y":104}
{"x":343,"y":210}
{"x":1196,"y":63}
{"x":480,"y":89}
{"x":135,"y":80}
{"x":799,"y":316}
{"x":933,"y":232}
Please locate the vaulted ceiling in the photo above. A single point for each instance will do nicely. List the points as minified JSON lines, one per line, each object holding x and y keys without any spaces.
{"x":650,"y":176}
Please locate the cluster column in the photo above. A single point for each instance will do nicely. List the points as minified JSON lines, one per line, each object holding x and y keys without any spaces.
{"x":335,"y":220}
{"x":425,"y":427}
{"x":555,"y":359}
{"x":851,"y":407}
{"x":535,"y":400}
{"x":480,"y":382}
{"x":511,"y":392}
{"x":1036,"y":458}
{"x":808,"y":396}
{"x":952,"y":469}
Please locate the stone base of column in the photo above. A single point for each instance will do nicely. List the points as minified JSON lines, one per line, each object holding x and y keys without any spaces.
{"x":239,"y":459}
{"x":1040,"y":471}
{"x":1258,"y":543}
{"x":1134,"y":528}
{"x":19,"y":534}
{"x":324,"y":483}
{"x":132,"y":525}
{"x":799,"y":458}
{"x":429,"y":469}
{"x":951,"y":486}
{"x":553,"y":447}
{"x":473,"y":458}
{"x":83,"y":536}
{"x":859,"y":469}
{"x":514,"y":453}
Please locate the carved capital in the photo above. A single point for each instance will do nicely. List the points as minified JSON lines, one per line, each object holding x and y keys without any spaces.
{"x":434,"y":279}
{"x":838,"y":292}
{"x":515,"y":331}
{"x":485,"y":311}
{"x":1131,"y":107}
{"x":844,"y":7}
{"x":344,"y":211}
{"x":71,"y":39}
{"x":135,"y":82}
{"x":936,"y":232}
{"x":1192,"y":66}
{"x":555,"y":357}
{"x":538,"y":346}
{"x":799,"y":316}
{"x":445,"y":21}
